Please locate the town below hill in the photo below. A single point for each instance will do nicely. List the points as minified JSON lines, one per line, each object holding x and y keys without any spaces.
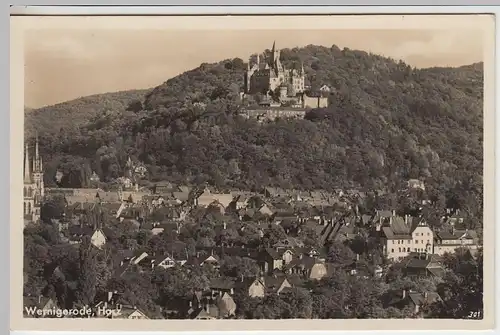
{"x":194,"y":253}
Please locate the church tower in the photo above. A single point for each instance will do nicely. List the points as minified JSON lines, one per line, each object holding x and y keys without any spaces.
{"x":33,"y":184}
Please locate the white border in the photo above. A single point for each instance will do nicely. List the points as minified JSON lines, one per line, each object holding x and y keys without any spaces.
{"x":141,"y":10}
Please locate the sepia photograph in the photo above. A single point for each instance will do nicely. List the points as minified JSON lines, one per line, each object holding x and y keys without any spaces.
{"x":242,"y":171}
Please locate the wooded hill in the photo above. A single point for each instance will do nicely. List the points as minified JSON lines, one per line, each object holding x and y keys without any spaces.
{"x":388,"y":122}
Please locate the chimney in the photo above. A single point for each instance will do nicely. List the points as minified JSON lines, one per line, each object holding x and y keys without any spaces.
{"x":40,"y":299}
{"x":404,"y":294}
{"x":300,"y":256}
{"x":197,"y":254}
{"x":425,"y":295}
{"x":357,"y":257}
{"x":225,"y":225}
{"x":110,"y":295}
{"x":393,"y":212}
{"x":242,"y":278}
{"x":406,"y":219}
{"x":190,"y":304}
{"x":207,"y":308}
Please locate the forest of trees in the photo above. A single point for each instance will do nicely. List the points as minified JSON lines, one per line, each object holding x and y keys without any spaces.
{"x":388,"y":122}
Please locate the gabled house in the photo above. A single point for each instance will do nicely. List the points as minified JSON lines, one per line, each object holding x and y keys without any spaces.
{"x":112,"y":306}
{"x":310,"y":268}
{"x":422,"y":265}
{"x":226,"y":305}
{"x":208,"y":312}
{"x":415,"y":301}
{"x":252,"y":287}
{"x":164,"y":261}
{"x":131,"y":313}
{"x":98,"y":238}
{"x":418,"y":300}
{"x":273,"y":192}
{"x":162,"y":187}
{"x":206,"y":197}
{"x":266,"y":210}
{"x":271,"y":259}
{"x":201,"y":260}
{"x":324,"y":89}
{"x":219,"y":286}
{"x":276,"y":284}
{"x":447,"y":241}
{"x":400,"y":236}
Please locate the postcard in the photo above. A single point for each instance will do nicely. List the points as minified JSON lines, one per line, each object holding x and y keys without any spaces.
{"x":254,"y":172}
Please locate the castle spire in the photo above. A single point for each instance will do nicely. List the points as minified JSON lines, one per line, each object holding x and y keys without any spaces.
{"x":27,"y":172}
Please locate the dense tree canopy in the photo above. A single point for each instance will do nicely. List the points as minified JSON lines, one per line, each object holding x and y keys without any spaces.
{"x":387,"y":122}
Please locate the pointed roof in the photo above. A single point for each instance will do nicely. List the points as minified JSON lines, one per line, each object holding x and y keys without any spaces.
{"x":27,"y":169}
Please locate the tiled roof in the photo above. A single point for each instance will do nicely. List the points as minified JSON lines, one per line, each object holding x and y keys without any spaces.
{"x":418,"y":298}
{"x":222,"y":284}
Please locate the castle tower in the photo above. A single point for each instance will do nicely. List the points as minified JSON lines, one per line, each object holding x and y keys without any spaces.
{"x":33,"y":184}
{"x":273,"y":74}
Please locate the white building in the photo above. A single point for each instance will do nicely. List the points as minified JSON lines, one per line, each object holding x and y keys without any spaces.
{"x":400,"y":236}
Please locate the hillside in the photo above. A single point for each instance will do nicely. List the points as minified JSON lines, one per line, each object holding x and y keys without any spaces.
{"x":388,"y":122}
{"x":73,"y":113}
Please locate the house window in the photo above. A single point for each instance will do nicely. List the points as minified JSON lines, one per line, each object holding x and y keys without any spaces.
{"x":416,"y":241}
{"x":416,"y":249}
{"x":392,"y":250}
{"x":428,"y":234}
{"x":399,"y":249}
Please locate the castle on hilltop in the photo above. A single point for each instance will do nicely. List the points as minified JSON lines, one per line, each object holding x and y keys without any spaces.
{"x":33,"y":184}
{"x":262,"y":77}
{"x":283,"y":91}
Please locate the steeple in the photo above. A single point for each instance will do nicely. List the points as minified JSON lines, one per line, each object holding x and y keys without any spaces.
{"x":37,"y":161}
{"x":27,"y":170}
{"x":37,"y":155}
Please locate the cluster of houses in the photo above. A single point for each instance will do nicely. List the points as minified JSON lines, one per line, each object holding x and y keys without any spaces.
{"x":285,"y":264}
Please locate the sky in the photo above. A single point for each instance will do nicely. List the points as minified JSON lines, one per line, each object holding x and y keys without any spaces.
{"x":62,"y":65}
